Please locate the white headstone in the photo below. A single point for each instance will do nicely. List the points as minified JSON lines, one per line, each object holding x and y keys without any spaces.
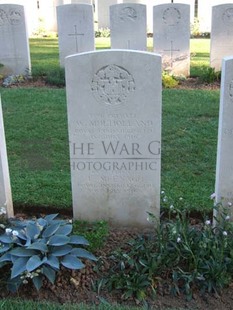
{"x":5,"y":188}
{"x":103,"y":12}
{"x":221,"y":44}
{"x":14,"y":45}
{"x":128,"y":26}
{"x":204,"y":13}
{"x":172,"y":36}
{"x":75,"y":29}
{"x":224,"y":167}
{"x":114,"y":120}
{"x":81,"y":2}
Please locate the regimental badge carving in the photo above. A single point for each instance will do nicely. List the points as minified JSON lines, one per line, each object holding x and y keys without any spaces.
{"x":228,"y":17}
{"x":3,"y":17}
{"x":112,"y":85}
{"x":171,"y":16}
{"x":128,"y":13}
{"x":231,"y":90}
{"x":13,"y":17}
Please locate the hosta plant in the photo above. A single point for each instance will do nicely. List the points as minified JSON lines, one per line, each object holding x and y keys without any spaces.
{"x":38,"y":248}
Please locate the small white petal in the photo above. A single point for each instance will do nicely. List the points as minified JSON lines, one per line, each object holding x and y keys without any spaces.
{"x":212,"y":196}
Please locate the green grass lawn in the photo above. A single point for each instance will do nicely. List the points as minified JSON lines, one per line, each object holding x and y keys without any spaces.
{"x":37,"y":136}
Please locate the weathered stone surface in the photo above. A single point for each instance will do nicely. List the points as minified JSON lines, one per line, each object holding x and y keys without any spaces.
{"x":172,"y":36}
{"x":128,"y":26}
{"x":221,"y":44}
{"x":75,"y":29}
{"x":224,"y":167}
{"x":114,"y":120}
{"x":5,"y":188}
{"x":14,"y":51}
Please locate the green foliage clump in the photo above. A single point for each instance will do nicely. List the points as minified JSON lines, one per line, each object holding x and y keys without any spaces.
{"x":192,"y":256}
{"x":94,"y":232}
{"x":102,"y":33}
{"x":169,"y":81}
{"x":209,"y":75}
{"x":55,"y":77}
{"x":38,"y":248}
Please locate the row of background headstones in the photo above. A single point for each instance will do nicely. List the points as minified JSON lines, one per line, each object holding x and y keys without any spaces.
{"x":171,"y":34}
{"x":42,"y":13}
{"x":129,"y":31}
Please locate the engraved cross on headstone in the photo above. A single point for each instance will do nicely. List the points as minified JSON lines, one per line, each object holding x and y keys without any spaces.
{"x":171,"y":50}
{"x":76,"y":34}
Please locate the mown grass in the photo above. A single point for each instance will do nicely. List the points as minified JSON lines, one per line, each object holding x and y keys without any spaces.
{"x":45,"y":54}
{"x":17,"y":304}
{"x":37,"y":141}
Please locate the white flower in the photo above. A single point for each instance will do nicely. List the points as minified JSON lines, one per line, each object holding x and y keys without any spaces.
{"x":227,"y":218}
{"x":162,"y":192}
{"x":165,"y":199}
{"x":224,"y":233}
{"x":15,"y":233}
{"x":212,"y":196}
{"x":207,"y":222}
{"x":25,"y":282}
{"x":8,"y":231}
{"x":2,"y":210}
{"x":181,"y":198}
{"x":229,"y":204}
{"x":178,"y":240}
{"x":171,"y":207}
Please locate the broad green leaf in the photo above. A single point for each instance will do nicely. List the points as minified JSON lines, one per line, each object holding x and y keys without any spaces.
{"x":52,"y":261}
{"x":50,"y":217}
{"x":61,"y":250}
{"x":83,"y":253}
{"x":42,"y":222}
{"x":33,"y":263}
{"x":5,"y":239}
{"x":39,"y":246}
{"x":22,"y":252}
{"x":58,"y":240}
{"x":64,"y":230}
{"x":19,"y":266}
{"x":22,"y":235}
{"x":5,"y":257}
{"x":75,"y":239}
{"x":50,"y":230}
{"x":72,"y":262}
{"x":32,"y":231}
{"x":13,"y":284}
{"x":37,"y":281}
{"x":49,"y":273}
{"x":5,"y":247}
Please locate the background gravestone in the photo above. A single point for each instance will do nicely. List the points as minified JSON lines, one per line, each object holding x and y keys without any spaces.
{"x":75,"y":29}
{"x":14,"y":45}
{"x":172,"y":36}
{"x":5,"y":188}
{"x":128,"y":26}
{"x":224,"y":167}
{"x":221,"y":44}
{"x":102,"y":7}
{"x":114,"y":120}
